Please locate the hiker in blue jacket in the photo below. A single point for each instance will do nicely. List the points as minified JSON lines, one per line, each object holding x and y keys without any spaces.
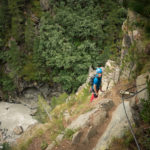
{"x":96,"y":86}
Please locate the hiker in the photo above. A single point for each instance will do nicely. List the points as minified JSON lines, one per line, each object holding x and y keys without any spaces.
{"x":96,"y":85}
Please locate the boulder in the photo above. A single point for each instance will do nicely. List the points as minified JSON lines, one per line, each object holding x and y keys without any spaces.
{"x":141,"y":84}
{"x":89,"y":134}
{"x":82,"y":121}
{"x":66,"y":116}
{"x":76,"y":137}
{"x":18,"y":130}
{"x":107,"y":104}
{"x":116,"y":127}
{"x":59,"y":138}
{"x":51,"y":146}
{"x":98,"y":118}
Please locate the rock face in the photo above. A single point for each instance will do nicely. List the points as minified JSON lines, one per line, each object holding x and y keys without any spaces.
{"x":76,"y":137}
{"x":111,"y":74}
{"x":82,"y":121}
{"x":141,"y":84}
{"x":116,"y":127}
{"x":14,"y":118}
{"x":107,"y":104}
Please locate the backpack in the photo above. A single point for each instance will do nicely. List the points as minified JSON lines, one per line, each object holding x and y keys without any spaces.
{"x":92,"y":79}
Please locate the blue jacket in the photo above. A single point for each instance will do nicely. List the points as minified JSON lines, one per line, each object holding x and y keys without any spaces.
{"x":97,"y":82}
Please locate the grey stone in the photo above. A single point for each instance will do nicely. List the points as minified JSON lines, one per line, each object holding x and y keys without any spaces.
{"x":76,"y":137}
{"x":66,"y":116}
{"x":126,"y":41}
{"x":59,"y":138}
{"x":18,"y":130}
{"x":116,"y":127}
{"x":141,"y":84}
{"x":91,"y":132}
{"x":51,"y":146}
{"x":33,"y":112}
{"x":107,"y":104}
{"x":82,"y":121}
{"x":98,"y":118}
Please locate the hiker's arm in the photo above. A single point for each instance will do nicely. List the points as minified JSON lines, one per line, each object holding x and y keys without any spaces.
{"x":95,"y":89}
{"x":101,"y":88}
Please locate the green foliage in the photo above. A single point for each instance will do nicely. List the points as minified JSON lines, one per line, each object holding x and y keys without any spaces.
{"x":44,"y":145}
{"x":17,"y":18}
{"x":42,"y":110}
{"x":4,"y":21}
{"x":77,"y":36}
{"x":58,"y":100}
{"x":7,"y":84}
{"x":6,"y":146}
{"x":29,"y":34}
{"x":14,"y":57}
{"x":145,"y":113}
{"x":31,"y":72}
{"x":140,"y":6}
{"x":69,"y":133}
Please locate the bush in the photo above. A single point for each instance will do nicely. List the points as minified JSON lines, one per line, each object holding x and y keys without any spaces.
{"x":69,"y":133}
{"x":44,"y":145}
{"x":58,"y":100}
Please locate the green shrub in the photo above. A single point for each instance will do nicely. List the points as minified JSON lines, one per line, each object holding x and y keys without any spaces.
{"x":140,"y":6}
{"x":58,"y":100}
{"x":6,"y":146}
{"x":69,"y":133}
{"x":43,"y":110}
{"x":44,"y":145}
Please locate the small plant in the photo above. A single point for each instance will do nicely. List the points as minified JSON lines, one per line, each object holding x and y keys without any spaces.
{"x":69,"y":133}
{"x":44,"y":145}
{"x":58,"y":100}
{"x":5,"y":146}
{"x":43,"y":111}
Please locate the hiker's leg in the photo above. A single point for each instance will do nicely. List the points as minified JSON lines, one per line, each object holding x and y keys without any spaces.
{"x":92,"y":97}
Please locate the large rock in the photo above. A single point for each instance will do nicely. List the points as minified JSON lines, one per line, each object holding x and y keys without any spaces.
{"x":59,"y":138}
{"x":51,"y":146}
{"x":107,"y":104}
{"x":98,"y":118}
{"x":116,"y":127}
{"x":89,"y":134}
{"x":82,"y":121}
{"x":76,"y":137}
{"x":111,"y":75}
{"x":141,"y":84}
{"x":18,"y":130}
